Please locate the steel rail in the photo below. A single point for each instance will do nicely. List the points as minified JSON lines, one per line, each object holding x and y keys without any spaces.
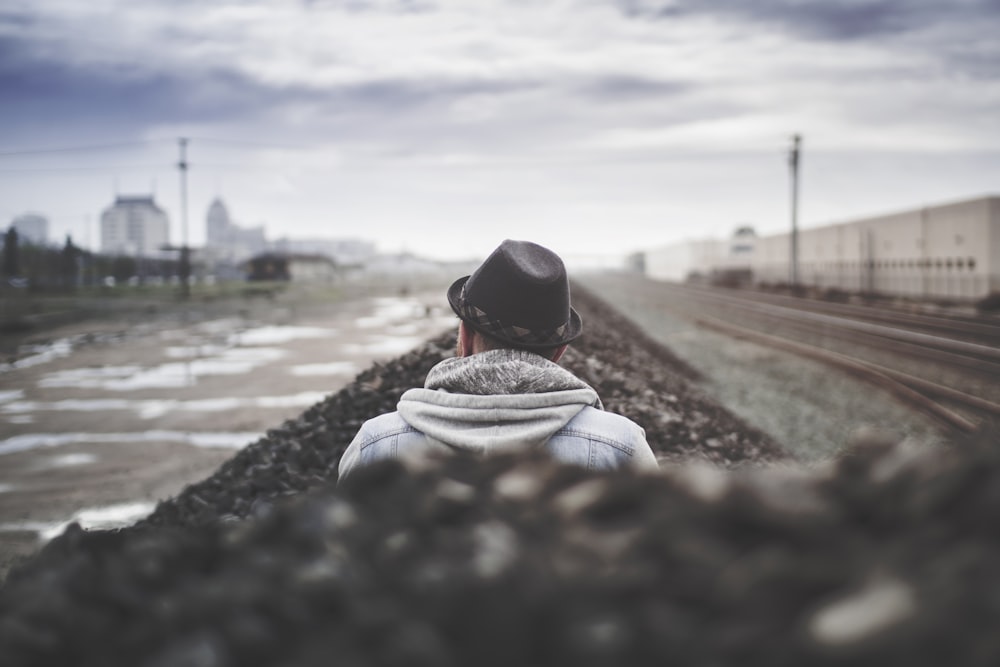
{"x":980,"y":367}
{"x":965,"y":326}
{"x":861,"y":368}
{"x":722,"y":312}
{"x":973,"y":350}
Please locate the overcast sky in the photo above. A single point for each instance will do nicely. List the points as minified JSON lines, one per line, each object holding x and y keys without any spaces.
{"x":444,"y":126}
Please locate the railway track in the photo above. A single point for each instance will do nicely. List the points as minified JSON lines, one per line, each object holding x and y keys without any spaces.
{"x":945,"y":366}
{"x":955,"y":325}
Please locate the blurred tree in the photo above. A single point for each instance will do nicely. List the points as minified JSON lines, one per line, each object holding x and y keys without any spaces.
{"x":68,"y":268}
{"x":11,"y":254}
{"x":123,"y":267}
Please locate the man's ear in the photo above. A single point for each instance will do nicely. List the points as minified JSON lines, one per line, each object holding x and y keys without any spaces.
{"x":465,"y":339}
{"x":559,"y":353}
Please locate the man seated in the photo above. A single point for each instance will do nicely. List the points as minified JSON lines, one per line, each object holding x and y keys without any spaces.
{"x":504,"y":391}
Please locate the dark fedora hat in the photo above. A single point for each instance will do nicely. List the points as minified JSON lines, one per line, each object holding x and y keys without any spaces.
{"x":519,"y":295}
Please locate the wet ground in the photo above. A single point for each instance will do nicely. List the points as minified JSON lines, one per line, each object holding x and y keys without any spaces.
{"x":102,"y":421}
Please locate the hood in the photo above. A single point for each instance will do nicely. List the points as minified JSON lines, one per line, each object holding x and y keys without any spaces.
{"x":496,"y":401}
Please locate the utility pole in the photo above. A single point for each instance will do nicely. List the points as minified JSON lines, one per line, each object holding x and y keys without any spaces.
{"x":793,"y":163}
{"x":87,"y":256}
{"x":185,"y":259}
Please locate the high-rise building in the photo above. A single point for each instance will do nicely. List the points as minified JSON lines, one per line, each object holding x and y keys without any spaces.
{"x":217,"y":224}
{"x":228,"y":241}
{"x":31,"y":228}
{"x":134,"y":226}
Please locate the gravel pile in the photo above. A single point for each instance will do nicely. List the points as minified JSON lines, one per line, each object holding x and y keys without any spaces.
{"x":885,"y":556}
{"x":634,"y":375}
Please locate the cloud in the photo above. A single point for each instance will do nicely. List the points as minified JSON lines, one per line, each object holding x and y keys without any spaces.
{"x":375,"y":6}
{"x":959,"y":37}
{"x":17,"y":19}
{"x":398,"y":78}
{"x":625,"y":87}
{"x":836,"y":20}
{"x":121,"y":98}
{"x":442,"y":112}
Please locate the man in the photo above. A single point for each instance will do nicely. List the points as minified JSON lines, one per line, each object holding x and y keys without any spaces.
{"x":504,"y":391}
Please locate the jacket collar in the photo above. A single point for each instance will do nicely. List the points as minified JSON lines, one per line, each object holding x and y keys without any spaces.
{"x":498,"y":372}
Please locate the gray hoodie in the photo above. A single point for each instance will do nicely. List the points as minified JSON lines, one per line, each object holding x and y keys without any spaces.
{"x":502,"y":401}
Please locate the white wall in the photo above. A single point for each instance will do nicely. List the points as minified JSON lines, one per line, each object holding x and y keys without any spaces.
{"x":675,"y":262}
{"x":949,"y":251}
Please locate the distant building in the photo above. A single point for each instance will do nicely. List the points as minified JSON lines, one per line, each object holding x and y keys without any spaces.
{"x":742,"y":244}
{"x":312,"y":268}
{"x":31,"y":228}
{"x":268,"y":266}
{"x":345,"y":252}
{"x":134,"y":226}
{"x":217,"y":224}
{"x":949,"y":251}
{"x":229,"y":242}
{"x":685,"y":260}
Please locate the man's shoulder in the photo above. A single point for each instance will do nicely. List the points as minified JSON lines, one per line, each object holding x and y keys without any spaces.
{"x":383,"y":426}
{"x":613,"y":441}
{"x":378,"y":438}
{"x":601,"y":421}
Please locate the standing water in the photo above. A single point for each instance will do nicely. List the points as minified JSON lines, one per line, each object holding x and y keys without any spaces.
{"x":97,"y":427}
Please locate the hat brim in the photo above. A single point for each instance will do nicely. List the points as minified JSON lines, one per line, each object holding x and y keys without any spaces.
{"x":573,"y":328}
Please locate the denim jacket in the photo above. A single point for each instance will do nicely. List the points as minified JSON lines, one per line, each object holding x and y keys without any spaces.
{"x":502,"y":401}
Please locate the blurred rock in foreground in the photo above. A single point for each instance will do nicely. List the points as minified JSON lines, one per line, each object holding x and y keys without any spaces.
{"x":887,"y":557}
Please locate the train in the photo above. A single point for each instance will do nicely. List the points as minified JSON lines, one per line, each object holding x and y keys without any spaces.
{"x":944,"y":252}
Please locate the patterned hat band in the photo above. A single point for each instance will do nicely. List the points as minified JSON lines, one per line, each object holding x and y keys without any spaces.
{"x":480,"y":320}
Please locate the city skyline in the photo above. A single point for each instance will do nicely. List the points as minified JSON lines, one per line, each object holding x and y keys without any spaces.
{"x":237,"y":241}
{"x":594,"y":127}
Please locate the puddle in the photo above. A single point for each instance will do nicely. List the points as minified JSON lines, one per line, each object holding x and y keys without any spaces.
{"x":88,"y":378}
{"x":210,"y":440}
{"x":390,"y":310}
{"x":66,"y":461}
{"x":275,"y":335}
{"x":305,"y":399}
{"x":385,"y":345}
{"x":74,"y":405}
{"x":94,"y":518}
{"x":20,"y":419}
{"x":41,"y":354}
{"x":266,"y":335}
{"x":232,"y":361}
{"x":13,"y":395}
{"x":411,"y":329}
{"x":193,"y":351}
{"x":332,"y":368}
{"x":222,"y":325}
{"x":245,"y":353}
{"x":153,"y":408}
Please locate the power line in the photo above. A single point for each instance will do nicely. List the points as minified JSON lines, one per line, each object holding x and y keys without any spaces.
{"x":116,"y":167}
{"x":237,"y":143}
{"x":164,"y":166}
{"x":490,"y":162}
{"x":80,"y":149}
